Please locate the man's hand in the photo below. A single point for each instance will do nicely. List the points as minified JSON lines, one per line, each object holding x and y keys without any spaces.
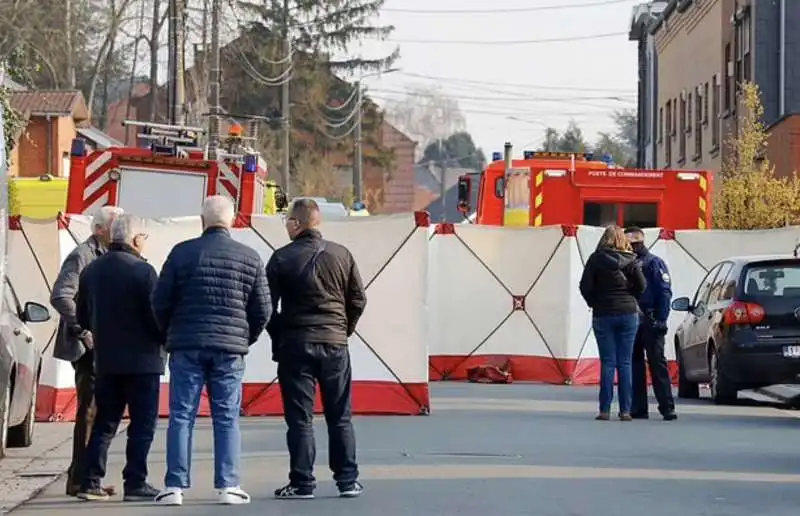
{"x":85,"y":336}
{"x":660,"y":328}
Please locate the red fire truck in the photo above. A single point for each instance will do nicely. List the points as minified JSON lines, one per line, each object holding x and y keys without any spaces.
{"x":169,"y":176}
{"x":550,"y":188}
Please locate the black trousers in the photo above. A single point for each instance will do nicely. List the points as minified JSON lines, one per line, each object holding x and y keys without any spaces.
{"x":84,"y":417}
{"x":113,"y":393}
{"x":651,"y":344}
{"x":300,"y":368}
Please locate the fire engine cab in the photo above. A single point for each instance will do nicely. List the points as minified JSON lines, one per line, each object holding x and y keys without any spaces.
{"x":168,"y":176}
{"x":550,"y":188}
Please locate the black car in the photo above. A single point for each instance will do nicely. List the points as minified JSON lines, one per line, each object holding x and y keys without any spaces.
{"x":742,"y":328}
{"x":20,"y":366}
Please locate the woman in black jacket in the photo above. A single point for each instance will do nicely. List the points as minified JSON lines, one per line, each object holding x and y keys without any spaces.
{"x":611,"y":282}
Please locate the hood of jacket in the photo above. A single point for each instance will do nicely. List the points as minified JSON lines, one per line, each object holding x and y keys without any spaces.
{"x":612,"y":259}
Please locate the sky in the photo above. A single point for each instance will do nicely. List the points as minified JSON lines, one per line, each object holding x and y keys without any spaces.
{"x":506,"y":70}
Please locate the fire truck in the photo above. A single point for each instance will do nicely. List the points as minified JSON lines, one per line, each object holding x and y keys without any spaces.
{"x":551,"y":188}
{"x":168,"y":175}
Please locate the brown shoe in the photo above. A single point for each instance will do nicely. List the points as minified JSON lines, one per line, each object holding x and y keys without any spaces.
{"x":603,"y":416}
{"x":625,"y":417}
{"x":110,"y":490}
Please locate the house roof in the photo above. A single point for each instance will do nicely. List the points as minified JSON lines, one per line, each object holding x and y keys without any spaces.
{"x":98,"y":137}
{"x":643,"y":16}
{"x":56,"y":103}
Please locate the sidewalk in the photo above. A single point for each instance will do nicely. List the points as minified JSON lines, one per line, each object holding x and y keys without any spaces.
{"x":25,"y":472}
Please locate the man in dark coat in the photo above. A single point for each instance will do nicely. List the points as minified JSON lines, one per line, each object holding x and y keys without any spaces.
{"x":212,"y":302}
{"x":74,"y":343}
{"x":114,"y":303}
{"x":322,"y":298}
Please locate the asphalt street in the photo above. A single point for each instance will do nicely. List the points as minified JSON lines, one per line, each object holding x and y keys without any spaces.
{"x":508,"y":450}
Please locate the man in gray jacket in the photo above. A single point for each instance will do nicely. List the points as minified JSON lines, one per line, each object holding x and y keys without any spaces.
{"x":74,"y":344}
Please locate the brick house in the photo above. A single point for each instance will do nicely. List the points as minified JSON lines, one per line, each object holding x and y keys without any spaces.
{"x":395,"y":188}
{"x":54,"y":118}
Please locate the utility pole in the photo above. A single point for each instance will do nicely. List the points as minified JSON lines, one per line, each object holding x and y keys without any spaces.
{"x":177,"y":96}
{"x":70,"y":58}
{"x":442,"y":184}
{"x":171,"y":23}
{"x":213,"y":101}
{"x":358,"y":175}
{"x":285,"y":107}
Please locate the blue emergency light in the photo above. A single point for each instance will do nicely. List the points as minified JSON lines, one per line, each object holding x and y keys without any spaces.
{"x":589,"y":156}
{"x":607,"y":158}
{"x":250,"y":163}
{"x":78,"y":148}
{"x":528,"y":154}
{"x":497,"y":156}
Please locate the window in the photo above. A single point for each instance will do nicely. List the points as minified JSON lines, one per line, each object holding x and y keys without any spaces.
{"x":773,"y":280}
{"x":728,"y":65}
{"x":701,"y":296}
{"x":746,"y":30}
{"x":668,"y":143}
{"x":689,"y":118}
{"x":500,"y":187}
{"x":698,"y":127}
{"x":682,"y":136}
{"x":674,"y":117}
{"x":705,"y":103}
{"x":715,"y":113}
{"x":660,"y":125}
{"x":719,"y":283}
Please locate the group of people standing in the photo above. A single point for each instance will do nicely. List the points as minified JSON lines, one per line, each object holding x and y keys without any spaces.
{"x":629,"y":291}
{"x":212,"y":300}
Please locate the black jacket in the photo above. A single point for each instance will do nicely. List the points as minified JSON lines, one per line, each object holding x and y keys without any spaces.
{"x":319,"y":289}
{"x":212,"y":294}
{"x":114,"y":304}
{"x":611,"y":282}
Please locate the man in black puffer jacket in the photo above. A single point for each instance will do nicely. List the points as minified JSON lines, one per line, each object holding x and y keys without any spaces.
{"x":213,"y":303}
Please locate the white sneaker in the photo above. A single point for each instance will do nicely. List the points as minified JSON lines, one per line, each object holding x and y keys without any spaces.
{"x":233,"y":496}
{"x":169,"y":496}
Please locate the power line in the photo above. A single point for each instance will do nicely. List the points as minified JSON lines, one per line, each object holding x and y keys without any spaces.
{"x":505,"y":84}
{"x":509,"y":10}
{"x":508,"y":42}
{"x":618,"y":98}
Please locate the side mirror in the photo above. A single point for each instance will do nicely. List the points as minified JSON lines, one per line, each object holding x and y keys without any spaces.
{"x":682,"y":304}
{"x":281,"y":202}
{"x":464,"y":191}
{"x":35,"y":313}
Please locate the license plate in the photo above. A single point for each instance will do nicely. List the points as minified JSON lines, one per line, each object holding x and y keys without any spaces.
{"x":791,"y":351}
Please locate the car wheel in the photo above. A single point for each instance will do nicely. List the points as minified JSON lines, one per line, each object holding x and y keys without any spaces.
{"x":5,"y":410}
{"x":687,"y":389}
{"x":21,"y":436}
{"x":723,"y":391}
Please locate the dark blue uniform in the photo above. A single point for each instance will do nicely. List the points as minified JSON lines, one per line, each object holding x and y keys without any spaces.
{"x":650,"y":339}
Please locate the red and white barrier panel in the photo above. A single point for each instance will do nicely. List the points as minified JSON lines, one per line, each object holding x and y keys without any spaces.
{"x":389,"y":351}
{"x":510,"y":295}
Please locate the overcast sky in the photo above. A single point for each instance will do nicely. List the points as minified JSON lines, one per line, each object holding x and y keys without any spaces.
{"x":543,"y":83}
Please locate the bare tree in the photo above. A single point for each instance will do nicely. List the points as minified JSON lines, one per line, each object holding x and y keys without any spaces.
{"x":426,"y":114}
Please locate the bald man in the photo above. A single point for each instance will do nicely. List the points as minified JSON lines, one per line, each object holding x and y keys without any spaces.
{"x":321,"y":298}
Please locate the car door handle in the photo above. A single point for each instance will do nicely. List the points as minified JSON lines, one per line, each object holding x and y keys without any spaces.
{"x":17,"y":331}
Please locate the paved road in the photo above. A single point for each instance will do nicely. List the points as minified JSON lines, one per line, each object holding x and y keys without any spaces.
{"x":512,"y":450}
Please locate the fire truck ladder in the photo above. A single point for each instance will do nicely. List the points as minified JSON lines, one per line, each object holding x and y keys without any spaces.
{"x":169,"y":139}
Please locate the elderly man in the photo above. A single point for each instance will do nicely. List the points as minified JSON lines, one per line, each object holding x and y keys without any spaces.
{"x":212,"y":302}
{"x":321,"y":297}
{"x":114,"y":304}
{"x":74,"y":343}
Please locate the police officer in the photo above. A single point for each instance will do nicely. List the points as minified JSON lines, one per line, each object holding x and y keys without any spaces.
{"x":650,"y":339}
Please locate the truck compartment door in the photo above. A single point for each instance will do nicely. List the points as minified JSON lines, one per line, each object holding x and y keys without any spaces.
{"x":644,"y":215}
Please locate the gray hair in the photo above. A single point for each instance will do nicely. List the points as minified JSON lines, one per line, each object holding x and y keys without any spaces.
{"x":124,"y":228}
{"x":105,"y":216}
{"x":218,"y":211}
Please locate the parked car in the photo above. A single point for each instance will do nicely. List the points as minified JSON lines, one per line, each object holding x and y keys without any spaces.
{"x":20,"y":365}
{"x":742,"y":328}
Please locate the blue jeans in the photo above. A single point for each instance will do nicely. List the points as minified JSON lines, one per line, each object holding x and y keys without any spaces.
{"x":615,"y":335}
{"x":221,"y":373}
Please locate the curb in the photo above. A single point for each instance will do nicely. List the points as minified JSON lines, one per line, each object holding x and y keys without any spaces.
{"x":787,"y":394}
{"x":34,"y":470}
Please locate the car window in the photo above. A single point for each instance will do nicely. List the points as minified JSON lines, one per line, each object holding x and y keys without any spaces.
{"x":705,"y":286}
{"x":773,"y":280}
{"x":10,"y":298}
{"x":718,"y":285}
